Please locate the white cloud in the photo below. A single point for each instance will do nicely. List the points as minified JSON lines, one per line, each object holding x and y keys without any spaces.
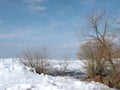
{"x":39,"y":8}
{"x":27,"y":34}
{"x":10,"y":45}
{"x":59,"y":12}
{"x":33,"y":1}
{"x":63,"y":10}
{"x":88,"y":2}
{"x":33,"y":5}
{"x":19,"y":33}
{"x":1,"y":21}
{"x":70,"y":45}
{"x":20,"y":45}
{"x":16,"y":34}
{"x":54,"y":25}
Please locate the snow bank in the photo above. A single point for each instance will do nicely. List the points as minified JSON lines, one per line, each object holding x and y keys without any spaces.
{"x":71,"y":65}
{"x":15,"y":76}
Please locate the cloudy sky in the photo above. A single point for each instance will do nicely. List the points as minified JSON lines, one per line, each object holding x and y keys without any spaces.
{"x":26,"y":24}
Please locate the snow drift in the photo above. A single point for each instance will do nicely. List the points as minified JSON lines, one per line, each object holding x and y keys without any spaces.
{"x":16,"y":76}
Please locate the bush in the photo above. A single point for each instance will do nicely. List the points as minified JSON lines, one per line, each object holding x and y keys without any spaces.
{"x":93,"y":60}
{"x":97,"y":64}
{"x":36,"y":59}
{"x":64,"y":66}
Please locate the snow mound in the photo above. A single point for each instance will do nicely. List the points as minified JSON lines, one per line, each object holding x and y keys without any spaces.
{"x":15,"y":76}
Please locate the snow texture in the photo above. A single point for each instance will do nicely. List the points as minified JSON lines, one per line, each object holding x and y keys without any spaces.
{"x":16,"y":76}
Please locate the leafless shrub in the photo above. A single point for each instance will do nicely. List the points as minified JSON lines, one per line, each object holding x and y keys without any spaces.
{"x":36,"y":59}
{"x":94,"y":63}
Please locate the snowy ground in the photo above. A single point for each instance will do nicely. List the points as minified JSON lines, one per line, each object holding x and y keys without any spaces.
{"x":71,"y":65}
{"x":15,"y":76}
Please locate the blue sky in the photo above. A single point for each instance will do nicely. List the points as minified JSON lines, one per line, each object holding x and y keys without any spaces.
{"x":26,"y":24}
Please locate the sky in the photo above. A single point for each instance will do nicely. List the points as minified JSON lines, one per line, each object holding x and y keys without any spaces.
{"x":32,"y":24}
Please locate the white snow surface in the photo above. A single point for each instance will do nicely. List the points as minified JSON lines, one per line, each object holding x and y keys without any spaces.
{"x":71,"y":65}
{"x":16,"y":76}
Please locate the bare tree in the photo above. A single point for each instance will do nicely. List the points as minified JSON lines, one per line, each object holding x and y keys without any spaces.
{"x":102,"y":30}
{"x":64,"y":65}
